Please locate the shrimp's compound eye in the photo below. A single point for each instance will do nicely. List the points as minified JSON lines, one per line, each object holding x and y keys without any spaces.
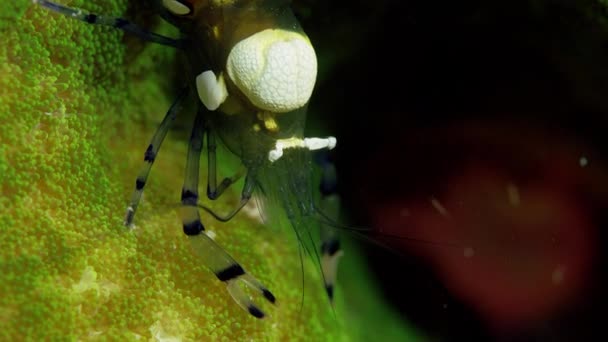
{"x":176,"y":7}
{"x":276,"y":69}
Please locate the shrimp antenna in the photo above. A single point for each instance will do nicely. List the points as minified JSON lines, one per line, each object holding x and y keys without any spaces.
{"x":329,"y":186}
{"x":359,"y":231}
{"x":369,"y":239}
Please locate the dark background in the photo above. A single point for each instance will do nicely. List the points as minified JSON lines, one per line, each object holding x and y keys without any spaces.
{"x":417,"y":91}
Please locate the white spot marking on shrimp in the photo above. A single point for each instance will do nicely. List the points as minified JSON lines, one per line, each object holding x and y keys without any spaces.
{"x":583,"y":161}
{"x":439,"y":207}
{"x":211,"y":234}
{"x":513,"y":194}
{"x":557,"y":277}
{"x":320,"y":143}
{"x":310,"y":144}
{"x":211,"y":89}
{"x":176,"y":7}
{"x":275,"y":69}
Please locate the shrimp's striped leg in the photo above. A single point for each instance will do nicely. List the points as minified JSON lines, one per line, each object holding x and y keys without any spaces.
{"x":119,"y":23}
{"x":225,"y":268}
{"x":245,"y":197}
{"x":213,"y":190}
{"x":150,"y":155}
{"x":330,"y":244}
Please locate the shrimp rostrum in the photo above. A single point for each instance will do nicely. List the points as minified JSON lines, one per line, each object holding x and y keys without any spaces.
{"x":253,"y":70}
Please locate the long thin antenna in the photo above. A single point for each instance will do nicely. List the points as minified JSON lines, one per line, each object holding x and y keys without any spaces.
{"x":358,"y":230}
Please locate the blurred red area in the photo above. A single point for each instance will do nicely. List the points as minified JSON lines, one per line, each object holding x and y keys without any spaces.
{"x":509,"y":211}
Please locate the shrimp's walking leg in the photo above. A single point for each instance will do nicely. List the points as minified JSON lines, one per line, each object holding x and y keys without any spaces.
{"x":215,"y":257}
{"x":245,"y":197}
{"x":330,"y":244}
{"x":150,"y":155}
{"x":213,"y":190}
{"x":119,"y":23}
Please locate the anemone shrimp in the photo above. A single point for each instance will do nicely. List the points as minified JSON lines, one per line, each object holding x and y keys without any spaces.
{"x":253,"y":70}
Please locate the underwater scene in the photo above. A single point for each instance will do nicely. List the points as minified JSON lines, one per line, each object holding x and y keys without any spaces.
{"x":303,"y":170}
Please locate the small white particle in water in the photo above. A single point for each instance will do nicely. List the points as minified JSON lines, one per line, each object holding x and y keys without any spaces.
{"x":583,"y":161}
{"x":404,"y":212}
{"x":557,"y":277}
{"x":469,"y":252}
{"x":440,"y":208}
{"x":211,"y":234}
{"x":445,"y":305}
{"x":513,"y":194}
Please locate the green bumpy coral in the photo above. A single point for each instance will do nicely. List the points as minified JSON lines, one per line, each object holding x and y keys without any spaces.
{"x":78,"y":104}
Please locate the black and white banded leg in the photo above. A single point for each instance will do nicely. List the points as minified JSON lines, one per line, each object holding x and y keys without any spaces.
{"x":330,"y":243}
{"x":215,"y":257}
{"x":150,"y":155}
{"x":118,"y":23}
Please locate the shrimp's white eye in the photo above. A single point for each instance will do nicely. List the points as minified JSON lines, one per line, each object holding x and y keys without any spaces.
{"x":275,"y":69}
{"x":176,"y":7}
